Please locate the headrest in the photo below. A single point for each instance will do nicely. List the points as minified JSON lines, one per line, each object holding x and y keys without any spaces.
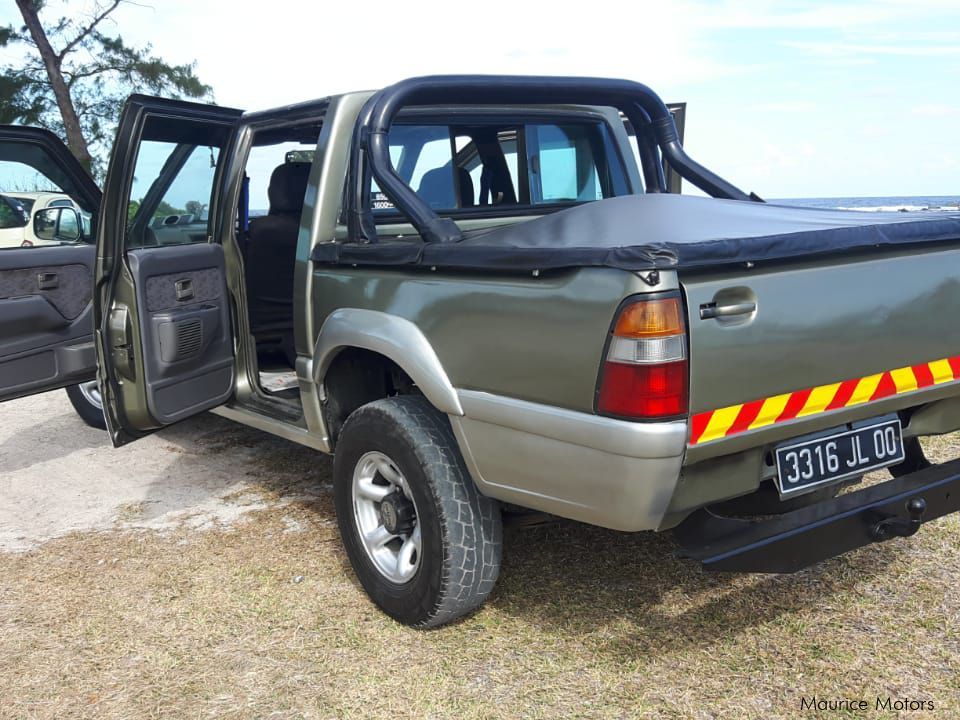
{"x":288,"y":185}
{"x":436,"y":188}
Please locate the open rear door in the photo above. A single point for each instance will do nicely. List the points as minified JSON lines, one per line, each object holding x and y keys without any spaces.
{"x":47,"y":202}
{"x":164,"y":340}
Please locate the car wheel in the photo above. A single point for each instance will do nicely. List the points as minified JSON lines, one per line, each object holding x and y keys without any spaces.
{"x":424,"y":543}
{"x":86,"y":400}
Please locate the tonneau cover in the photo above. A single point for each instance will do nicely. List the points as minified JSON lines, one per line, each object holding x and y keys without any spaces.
{"x":643,"y":232}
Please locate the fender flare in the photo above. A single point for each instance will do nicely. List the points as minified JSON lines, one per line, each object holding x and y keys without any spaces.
{"x":393,"y":337}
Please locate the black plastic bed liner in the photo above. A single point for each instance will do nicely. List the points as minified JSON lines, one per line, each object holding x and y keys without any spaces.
{"x":657,"y":231}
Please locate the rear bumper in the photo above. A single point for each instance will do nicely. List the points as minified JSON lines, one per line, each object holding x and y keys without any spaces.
{"x":790,"y":542}
{"x":616,"y":474}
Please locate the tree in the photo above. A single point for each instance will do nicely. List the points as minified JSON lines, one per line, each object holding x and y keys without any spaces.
{"x":76,"y":76}
{"x":165,"y":208}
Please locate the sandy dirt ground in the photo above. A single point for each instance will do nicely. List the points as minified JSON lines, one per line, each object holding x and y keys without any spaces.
{"x":58,"y":475}
{"x":198,"y":573}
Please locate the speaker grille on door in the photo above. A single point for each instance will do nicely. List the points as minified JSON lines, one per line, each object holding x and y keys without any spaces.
{"x":189,"y":338}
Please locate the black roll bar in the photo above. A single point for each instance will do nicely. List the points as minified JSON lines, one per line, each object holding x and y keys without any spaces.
{"x":641,"y":105}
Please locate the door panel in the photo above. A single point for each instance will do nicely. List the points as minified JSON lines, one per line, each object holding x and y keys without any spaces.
{"x":46,"y":319}
{"x":184,"y":328}
{"x":46,"y":264}
{"x":164,"y":340}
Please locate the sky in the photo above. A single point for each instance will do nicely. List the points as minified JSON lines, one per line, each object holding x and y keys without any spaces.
{"x":787,"y":99}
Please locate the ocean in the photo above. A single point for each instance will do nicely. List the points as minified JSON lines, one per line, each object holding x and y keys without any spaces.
{"x":942,"y":203}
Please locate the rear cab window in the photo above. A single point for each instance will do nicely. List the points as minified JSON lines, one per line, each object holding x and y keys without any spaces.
{"x":503,"y":168}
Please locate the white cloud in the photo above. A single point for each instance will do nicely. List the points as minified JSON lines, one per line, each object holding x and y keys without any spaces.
{"x":936,"y":110}
{"x":300,"y":50}
{"x":786,"y":106}
{"x":840,"y":49}
{"x":721,"y":57}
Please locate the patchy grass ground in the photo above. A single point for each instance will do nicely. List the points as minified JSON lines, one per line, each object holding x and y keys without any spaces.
{"x":263,"y":618}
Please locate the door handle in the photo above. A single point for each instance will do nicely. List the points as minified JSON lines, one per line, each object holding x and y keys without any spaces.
{"x":709,"y":311}
{"x":48,"y":281}
{"x":184,"y":289}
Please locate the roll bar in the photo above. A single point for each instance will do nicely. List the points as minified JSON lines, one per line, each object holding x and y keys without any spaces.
{"x":641,"y":105}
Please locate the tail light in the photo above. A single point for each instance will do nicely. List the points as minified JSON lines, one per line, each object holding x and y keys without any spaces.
{"x":644,"y":372}
{"x":26,"y":243}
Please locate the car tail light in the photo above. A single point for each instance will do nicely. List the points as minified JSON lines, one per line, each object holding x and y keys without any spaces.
{"x":26,"y":243}
{"x":644,"y":373}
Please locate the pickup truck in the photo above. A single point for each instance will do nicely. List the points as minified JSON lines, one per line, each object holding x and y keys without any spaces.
{"x":486,"y":299}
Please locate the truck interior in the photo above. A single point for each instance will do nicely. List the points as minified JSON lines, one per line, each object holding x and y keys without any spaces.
{"x":268,"y":221}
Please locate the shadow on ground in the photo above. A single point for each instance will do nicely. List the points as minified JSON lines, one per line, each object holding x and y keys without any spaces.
{"x":576,"y":578}
{"x":52,"y":438}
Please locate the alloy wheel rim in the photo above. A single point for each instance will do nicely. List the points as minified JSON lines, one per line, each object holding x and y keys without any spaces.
{"x":395,"y":554}
{"x":91,"y":393}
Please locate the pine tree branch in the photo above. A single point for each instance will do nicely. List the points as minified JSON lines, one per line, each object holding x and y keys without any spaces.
{"x":89,"y":29}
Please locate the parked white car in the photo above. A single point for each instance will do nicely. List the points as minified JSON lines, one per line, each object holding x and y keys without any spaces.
{"x":28,"y":219}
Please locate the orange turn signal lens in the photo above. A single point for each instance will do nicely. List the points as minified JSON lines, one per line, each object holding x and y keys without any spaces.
{"x":651,"y":318}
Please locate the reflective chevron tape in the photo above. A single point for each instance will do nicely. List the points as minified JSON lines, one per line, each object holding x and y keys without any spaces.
{"x":717,"y":424}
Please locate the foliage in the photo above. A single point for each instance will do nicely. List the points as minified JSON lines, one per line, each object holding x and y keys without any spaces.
{"x":165,"y":208}
{"x":98,"y":69}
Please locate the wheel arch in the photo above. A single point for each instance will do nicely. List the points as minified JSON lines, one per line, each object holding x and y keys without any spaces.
{"x":369,"y":337}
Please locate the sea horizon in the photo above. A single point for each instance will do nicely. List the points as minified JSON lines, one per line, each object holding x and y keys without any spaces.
{"x":880,"y":203}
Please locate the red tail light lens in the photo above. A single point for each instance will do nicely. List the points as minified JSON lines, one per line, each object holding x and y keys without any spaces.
{"x":644,"y":374}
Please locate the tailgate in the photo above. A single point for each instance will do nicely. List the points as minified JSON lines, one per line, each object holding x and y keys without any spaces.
{"x":826,"y":344}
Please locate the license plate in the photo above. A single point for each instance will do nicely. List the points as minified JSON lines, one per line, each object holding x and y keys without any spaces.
{"x":804,"y":465}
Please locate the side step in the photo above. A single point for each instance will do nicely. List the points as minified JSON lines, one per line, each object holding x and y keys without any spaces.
{"x":787,"y":543}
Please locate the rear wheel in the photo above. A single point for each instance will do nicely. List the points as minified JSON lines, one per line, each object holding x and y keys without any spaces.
{"x":86,"y":400}
{"x":424,"y":543}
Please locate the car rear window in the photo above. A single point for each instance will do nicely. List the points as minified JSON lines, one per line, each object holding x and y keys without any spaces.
{"x":499,"y":168}
{"x":12,"y":213}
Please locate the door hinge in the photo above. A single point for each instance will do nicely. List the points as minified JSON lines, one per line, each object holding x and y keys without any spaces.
{"x":121,"y":349}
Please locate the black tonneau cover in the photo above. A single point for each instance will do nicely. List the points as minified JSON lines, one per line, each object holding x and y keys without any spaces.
{"x":645,"y":232}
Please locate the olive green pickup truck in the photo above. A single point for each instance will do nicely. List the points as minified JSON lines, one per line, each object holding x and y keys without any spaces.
{"x":480,"y":294}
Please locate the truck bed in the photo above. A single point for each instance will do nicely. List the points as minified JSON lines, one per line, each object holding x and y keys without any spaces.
{"x":659,"y":231}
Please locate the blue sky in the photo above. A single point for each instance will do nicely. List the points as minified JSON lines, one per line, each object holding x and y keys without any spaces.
{"x":789,"y":99}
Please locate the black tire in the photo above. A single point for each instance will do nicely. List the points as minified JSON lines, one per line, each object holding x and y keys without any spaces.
{"x":461,"y":531}
{"x":89,"y":411}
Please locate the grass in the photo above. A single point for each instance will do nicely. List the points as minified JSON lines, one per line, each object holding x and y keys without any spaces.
{"x":265,"y":620}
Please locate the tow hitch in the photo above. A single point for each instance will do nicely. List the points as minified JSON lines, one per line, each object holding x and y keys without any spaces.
{"x":795,"y":540}
{"x":899,"y":527}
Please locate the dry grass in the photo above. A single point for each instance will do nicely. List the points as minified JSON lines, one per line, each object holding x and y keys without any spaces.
{"x":266,"y":620}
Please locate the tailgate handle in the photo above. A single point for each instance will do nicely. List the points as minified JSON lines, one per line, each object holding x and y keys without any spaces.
{"x":709,"y":311}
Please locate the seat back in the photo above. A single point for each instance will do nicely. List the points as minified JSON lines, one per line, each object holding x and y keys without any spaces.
{"x":437,"y":189}
{"x":272,"y":249}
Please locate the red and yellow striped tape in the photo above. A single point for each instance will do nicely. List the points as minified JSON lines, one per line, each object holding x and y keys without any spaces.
{"x":717,"y":424}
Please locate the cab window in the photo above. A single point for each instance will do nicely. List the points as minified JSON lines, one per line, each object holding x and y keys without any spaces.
{"x":490,"y":167}
{"x":562,"y":164}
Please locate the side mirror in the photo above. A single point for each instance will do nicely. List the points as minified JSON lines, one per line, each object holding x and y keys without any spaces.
{"x":60,"y":224}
